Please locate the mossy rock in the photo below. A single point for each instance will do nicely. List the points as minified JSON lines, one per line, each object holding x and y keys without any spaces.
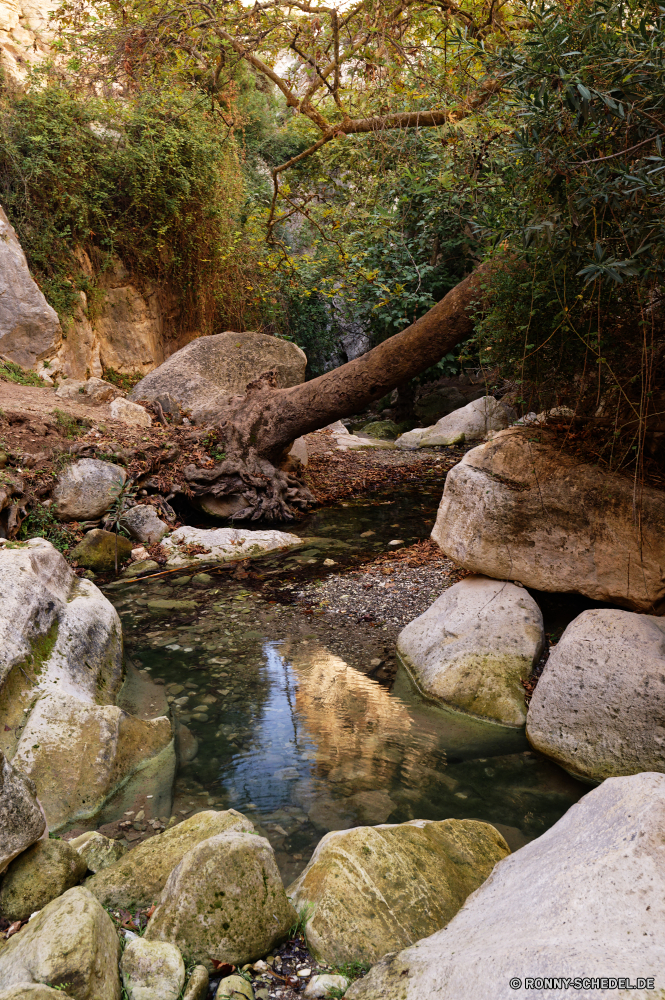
{"x":385,"y":430}
{"x":97,"y":550}
{"x":40,"y":874}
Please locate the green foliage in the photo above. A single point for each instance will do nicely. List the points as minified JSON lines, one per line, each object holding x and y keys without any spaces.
{"x":154,"y":181}
{"x":41,"y":522}
{"x":577,"y":223}
{"x":123,"y":380}
{"x":14,"y":373}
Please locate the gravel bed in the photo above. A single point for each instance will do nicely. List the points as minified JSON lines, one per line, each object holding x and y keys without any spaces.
{"x":389,"y":591}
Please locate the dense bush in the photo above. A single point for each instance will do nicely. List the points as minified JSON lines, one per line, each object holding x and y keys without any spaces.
{"x":155,"y":180}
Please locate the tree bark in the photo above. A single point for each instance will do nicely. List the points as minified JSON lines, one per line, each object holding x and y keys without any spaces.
{"x":258,"y":428}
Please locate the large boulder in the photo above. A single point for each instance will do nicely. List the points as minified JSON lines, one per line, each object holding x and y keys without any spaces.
{"x":224,"y":902}
{"x":98,"y":550}
{"x":473,"y":647}
{"x":92,"y":390}
{"x":86,"y":759}
{"x":60,"y":672}
{"x":521,"y":508}
{"x":373,"y":890}
{"x":202,"y":376}
{"x":586,"y":900}
{"x":152,"y":970}
{"x":86,"y":489}
{"x":34,"y":878}
{"x":71,"y":943}
{"x":22,"y":820}
{"x":599,"y":707}
{"x":224,"y":544}
{"x":57,"y":634}
{"x":138,"y":878}
{"x":29,"y":326}
{"x":472,"y":422}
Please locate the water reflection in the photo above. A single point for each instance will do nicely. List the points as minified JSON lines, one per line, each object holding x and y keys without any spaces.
{"x":331,"y":748}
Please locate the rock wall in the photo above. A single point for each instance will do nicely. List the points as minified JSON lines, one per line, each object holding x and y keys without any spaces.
{"x":132,"y":329}
{"x":24,"y":35}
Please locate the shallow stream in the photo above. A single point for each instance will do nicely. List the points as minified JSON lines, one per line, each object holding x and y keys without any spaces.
{"x":293,"y":734}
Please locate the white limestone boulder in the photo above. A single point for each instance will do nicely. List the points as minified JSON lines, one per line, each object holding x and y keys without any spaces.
{"x":472,"y":422}
{"x":599,"y":707}
{"x":224,"y":544}
{"x":60,"y":673}
{"x":585,"y":900}
{"x":29,"y":326}
{"x":521,"y":508}
{"x":474,"y":646}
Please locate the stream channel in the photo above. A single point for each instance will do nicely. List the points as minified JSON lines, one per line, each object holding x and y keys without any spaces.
{"x":294,"y":735}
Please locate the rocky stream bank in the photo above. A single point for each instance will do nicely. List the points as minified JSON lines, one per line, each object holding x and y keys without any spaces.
{"x":249,"y":762}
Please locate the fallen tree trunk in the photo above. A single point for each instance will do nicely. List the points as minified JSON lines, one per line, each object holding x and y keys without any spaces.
{"x":258,"y":428}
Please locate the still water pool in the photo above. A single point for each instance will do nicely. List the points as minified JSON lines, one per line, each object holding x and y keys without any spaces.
{"x":288,"y":732}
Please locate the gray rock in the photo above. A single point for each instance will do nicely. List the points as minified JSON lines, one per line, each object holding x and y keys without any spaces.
{"x":473,"y":647}
{"x":43,"y":872}
{"x":92,"y":390}
{"x":224,"y":544}
{"x":140,"y":567}
{"x":152,"y":970}
{"x":22,"y":821}
{"x":29,"y":327}
{"x":472,"y":422}
{"x":97,"y":550}
{"x":144,"y":524}
{"x":599,"y":707}
{"x":197,"y":984}
{"x":224,"y":901}
{"x":72,"y":941}
{"x":520,"y":508}
{"x":203,"y":375}
{"x":130,"y":413}
{"x":139,"y":878}
{"x":372,"y":890}
{"x":97,"y":851}
{"x":86,"y":489}
{"x":587,"y":899}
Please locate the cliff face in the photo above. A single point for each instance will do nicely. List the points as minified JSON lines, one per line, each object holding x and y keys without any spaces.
{"x":131,"y":329}
{"x":24,"y":35}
